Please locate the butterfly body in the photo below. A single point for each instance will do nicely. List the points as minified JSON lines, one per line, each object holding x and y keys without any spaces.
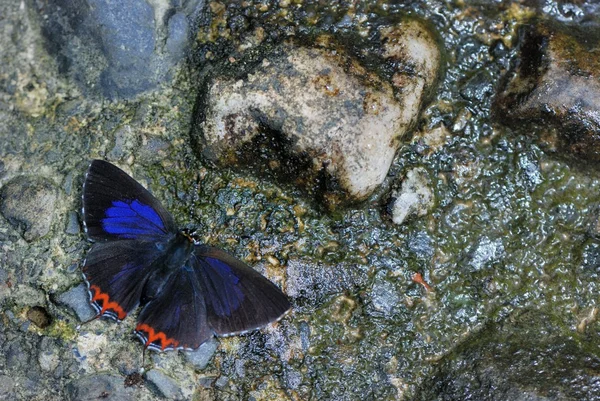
{"x":189,"y":291}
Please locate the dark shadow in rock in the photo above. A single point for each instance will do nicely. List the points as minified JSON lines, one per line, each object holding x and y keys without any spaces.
{"x":529,"y":356}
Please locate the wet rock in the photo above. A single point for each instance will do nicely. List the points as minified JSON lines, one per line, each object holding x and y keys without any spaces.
{"x":431,"y":140}
{"x":165,"y":385}
{"x":222,"y":381}
{"x":126,"y":361}
{"x":202,"y":356}
{"x":77,"y":298}
{"x":486,"y":253}
{"x":421,"y":245}
{"x":49,"y":355}
{"x":414,"y":198}
{"x":18,"y":353}
{"x":527,"y":357}
{"x":385,"y":296}
{"x":590,"y":260}
{"x":28,"y":204}
{"x":123,"y":48}
{"x":530,"y":170}
{"x":317,"y":118}
{"x":99,"y":387}
{"x":415,"y":51}
{"x":311,"y":283}
{"x":556,"y":82}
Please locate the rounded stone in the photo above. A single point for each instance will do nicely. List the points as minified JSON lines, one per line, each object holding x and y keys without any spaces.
{"x":555,"y":83}
{"x":28,"y":203}
{"x":314,"y":116}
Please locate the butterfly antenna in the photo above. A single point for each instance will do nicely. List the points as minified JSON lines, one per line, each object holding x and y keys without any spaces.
{"x":88,"y":321}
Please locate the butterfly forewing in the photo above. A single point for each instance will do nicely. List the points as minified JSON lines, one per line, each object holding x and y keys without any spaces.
{"x":237,"y":298}
{"x":132,"y":230}
{"x":116,"y":207}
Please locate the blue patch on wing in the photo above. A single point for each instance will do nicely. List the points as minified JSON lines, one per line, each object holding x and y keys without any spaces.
{"x":132,"y":220}
{"x":226,"y":296}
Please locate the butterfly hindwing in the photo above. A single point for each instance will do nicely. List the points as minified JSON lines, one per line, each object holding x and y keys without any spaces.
{"x":115,"y":206}
{"x":116,"y":273}
{"x":238,"y":298}
{"x":176,"y":317}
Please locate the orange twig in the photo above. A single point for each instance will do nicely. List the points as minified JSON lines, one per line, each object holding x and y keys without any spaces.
{"x":418,"y":278}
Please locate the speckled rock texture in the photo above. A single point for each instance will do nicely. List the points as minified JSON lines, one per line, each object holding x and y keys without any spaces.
{"x":490,"y":291}
{"x":322,"y":120}
{"x":120,"y":48}
{"x":28,"y":203}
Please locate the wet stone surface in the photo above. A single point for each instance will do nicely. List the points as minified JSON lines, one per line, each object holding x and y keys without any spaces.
{"x":202,"y":356}
{"x":506,"y":362}
{"x":414,"y":198}
{"x":488,"y":291}
{"x":164,"y":384}
{"x":77,"y":300}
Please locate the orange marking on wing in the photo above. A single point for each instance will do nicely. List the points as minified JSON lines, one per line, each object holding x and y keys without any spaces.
{"x":106,"y":302}
{"x":153,"y":336}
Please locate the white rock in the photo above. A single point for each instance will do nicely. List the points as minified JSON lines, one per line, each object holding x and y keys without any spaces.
{"x":415,"y":197}
{"x":329,"y":109}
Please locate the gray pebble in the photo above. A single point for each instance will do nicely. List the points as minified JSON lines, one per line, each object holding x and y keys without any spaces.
{"x":77,"y":298}
{"x":222,"y":381}
{"x":486,"y":253}
{"x":28,"y":204}
{"x":165,"y":385}
{"x":202,"y":356}
{"x":385,"y":296}
{"x":73,"y":227}
{"x":6,"y":386}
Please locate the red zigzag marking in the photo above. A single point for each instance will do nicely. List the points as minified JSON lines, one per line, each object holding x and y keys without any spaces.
{"x":106,"y":303}
{"x":154,"y":336}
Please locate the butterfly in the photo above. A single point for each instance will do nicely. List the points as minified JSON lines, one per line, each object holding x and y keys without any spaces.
{"x":189,"y":291}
